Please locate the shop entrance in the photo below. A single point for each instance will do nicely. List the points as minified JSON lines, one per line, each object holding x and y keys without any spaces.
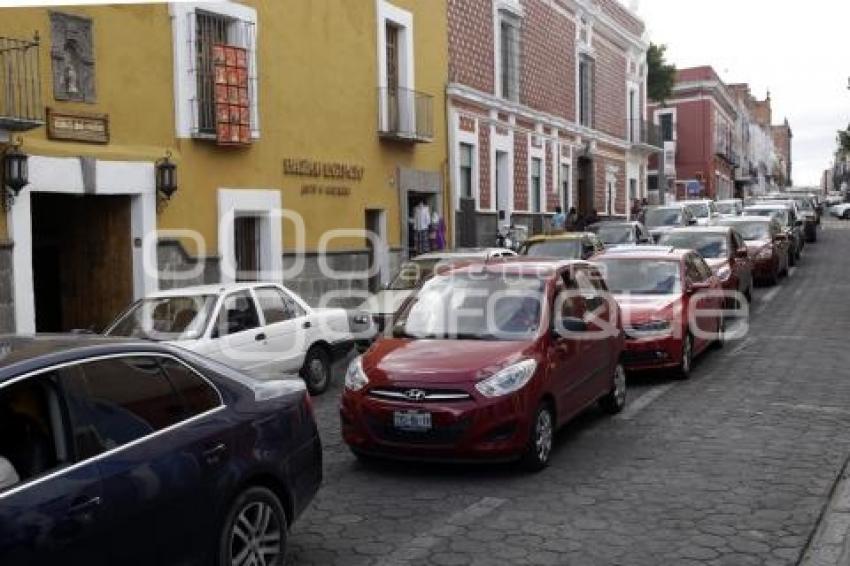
{"x":81,"y":260}
{"x":414,"y":199}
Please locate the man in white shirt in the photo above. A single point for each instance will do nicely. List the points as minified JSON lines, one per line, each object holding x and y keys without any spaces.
{"x":421,"y":225}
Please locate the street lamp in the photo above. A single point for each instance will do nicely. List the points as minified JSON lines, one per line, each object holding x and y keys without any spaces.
{"x":166,"y":177}
{"x":15,"y":173}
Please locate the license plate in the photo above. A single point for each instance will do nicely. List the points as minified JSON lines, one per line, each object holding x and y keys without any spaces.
{"x":412,"y":421}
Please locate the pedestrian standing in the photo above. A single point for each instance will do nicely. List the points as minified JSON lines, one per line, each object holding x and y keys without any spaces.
{"x":437,"y":232}
{"x":421,"y":227}
{"x":559,"y":221}
{"x":572,"y":220}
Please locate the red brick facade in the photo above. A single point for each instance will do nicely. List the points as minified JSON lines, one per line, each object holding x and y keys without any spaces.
{"x":547,"y":106}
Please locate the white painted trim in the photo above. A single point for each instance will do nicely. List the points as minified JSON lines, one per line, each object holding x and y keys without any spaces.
{"x":513,"y":8}
{"x":264,"y":204}
{"x":656,"y":119}
{"x":64,"y":175}
{"x":537,"y":153}
{"x":566,"y":158}
{"x":185,"y":85}
{"x":403,"y":20}
{"x":457,"y":136}
{"x":502,"y":143}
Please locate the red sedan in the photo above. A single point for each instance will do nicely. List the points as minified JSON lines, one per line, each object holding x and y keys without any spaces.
{"x":485,"y":363}
{"x":767,"y":244}
{"x":671,"y":305}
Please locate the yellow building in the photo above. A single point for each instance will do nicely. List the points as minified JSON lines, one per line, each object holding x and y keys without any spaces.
{"x":294,"y":126}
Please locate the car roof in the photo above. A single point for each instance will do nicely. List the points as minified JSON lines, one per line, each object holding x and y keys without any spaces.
{"x":560,"y":236}
{"x":744,"y":218}
{"x":697,"y":201}
{"x":213,"y":289}
{"x":462,"y":253}
{"x":645,"y":252}
{"x":20,"y":354}
{"x":520,"y":265}
{"x":730,"y":200}
{"x":616,"y":223}
{"x":715,"y":229}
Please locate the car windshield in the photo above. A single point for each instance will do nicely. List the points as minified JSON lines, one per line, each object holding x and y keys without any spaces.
{"x":474,"y":306}
{"x":727,"y":207}
{"x":166,"y":318}
{"x":752,"y":230}
{"x":612,"y":234}
{"x":663,"y":217}
{"x":709,"y":246}
{"x":700,"y":209}
{"x":779,"y":214}
{"x":642,"y":276}
{"x":560,"y":248}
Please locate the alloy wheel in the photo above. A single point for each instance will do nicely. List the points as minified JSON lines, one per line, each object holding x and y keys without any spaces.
{"x":255,"y":538}
{"x":619,"y":386}
{"x":543,"y":432}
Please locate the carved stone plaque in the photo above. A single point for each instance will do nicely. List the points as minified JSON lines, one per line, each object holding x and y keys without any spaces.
{"x":72,"y":55}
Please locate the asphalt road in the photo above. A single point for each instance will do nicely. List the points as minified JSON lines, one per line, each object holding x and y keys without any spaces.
{"x":734,"y":467}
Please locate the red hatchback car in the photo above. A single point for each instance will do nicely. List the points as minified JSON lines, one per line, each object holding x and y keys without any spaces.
{"x":767,"y":244}
{"x":671,"y":304}
{"x":486,"y":361}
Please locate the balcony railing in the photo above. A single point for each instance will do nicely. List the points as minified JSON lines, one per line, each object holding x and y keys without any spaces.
{"x":20,"y":85}
{"x":645,"y":133}
{"x":405,"y":115}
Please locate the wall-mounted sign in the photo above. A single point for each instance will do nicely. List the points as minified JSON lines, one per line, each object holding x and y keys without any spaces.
{"x":323,"y":190}
{"x":77,"y":126}
{"x":326,"y":169}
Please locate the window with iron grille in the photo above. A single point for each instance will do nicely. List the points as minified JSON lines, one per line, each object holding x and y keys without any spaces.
{"x":211,"y":31}
{"x":509,"y":52}
{"x":666,"y":121}
{"x":586,"y":77}
{"x":246,"y":238}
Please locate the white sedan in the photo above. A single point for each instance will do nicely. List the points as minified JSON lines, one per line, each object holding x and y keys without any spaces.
{"x":261,"y":328}
{"x":840,"y":210}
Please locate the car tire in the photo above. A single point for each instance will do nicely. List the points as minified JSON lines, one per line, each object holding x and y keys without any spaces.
{"x":846,"y":215}
{"x":686,"y":364}
{"x":615,"y":400}
{"x":720,"y":341}
{"x":316,"y":371}
{"x":258,"y":511}
{"x":541,"y":439}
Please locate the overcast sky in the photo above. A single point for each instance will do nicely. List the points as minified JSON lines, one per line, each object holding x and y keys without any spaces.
{"x":801,"y":52}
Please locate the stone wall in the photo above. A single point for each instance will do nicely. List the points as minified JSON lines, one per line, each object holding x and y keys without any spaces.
{"x":173,"y":261}
{"x":7,"y":289}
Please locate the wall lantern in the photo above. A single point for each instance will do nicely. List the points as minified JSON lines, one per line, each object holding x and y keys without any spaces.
{"x":166,"y":176}
{"x":15,"y":172}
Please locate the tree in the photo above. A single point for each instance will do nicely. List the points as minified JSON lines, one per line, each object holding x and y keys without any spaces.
{"x":661,"y":75}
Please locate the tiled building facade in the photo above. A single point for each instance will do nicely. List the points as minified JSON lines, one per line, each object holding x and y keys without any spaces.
{"x":546,"y":109}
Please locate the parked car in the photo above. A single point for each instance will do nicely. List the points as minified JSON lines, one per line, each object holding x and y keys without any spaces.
{"x":620,"y":233}
{"x":833,"y":198}
{"x":657,"y":288}
{"x":841,"y":210}
{"x":381,"y":306}
{"x":790,"y":224}
{"x":128,"y":452}
{"x":809,"y":206}
{"x":802,"y":209}
{"x":729,"y":207}
{"x":703,"y":210}
{"x":724,"y":250}
{"x":661,"y":219}
{"x":263,"y":329}
{"x":495,"y":383}
{"x":767,"y":243}
{"x":566,"y":245}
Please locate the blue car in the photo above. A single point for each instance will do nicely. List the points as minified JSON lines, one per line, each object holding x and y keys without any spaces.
{"x":126,"y":452}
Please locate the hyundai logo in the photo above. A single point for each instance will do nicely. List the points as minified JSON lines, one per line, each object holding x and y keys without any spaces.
{"x":415,"y":394}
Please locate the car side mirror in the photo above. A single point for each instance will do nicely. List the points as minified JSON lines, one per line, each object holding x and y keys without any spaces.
{"x":697,"y":286}
{"x":742,"y":253}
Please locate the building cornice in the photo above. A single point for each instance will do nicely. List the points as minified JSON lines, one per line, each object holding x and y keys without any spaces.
{"x":469,"y":94}
{"x":712,"y":86}
{"x":598,"y":16}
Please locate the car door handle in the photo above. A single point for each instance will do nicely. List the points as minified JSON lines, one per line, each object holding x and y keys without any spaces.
{"x":307,"y":324}
{"x":260,"y":337}
{"x":81,"y":507}
{"x":215,"y":454}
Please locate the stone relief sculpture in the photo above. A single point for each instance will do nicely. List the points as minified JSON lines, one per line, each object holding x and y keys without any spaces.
{"x":72,"y":55}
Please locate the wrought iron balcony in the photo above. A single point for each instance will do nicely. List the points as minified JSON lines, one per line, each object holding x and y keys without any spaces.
{"x":646,"y":134}
{"x":20,"y":85}
{"x":405,"y":115}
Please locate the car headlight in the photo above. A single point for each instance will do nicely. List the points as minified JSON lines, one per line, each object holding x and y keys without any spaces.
{"x":355,"y":377}
{"x":512,"y":378}
{"x":724,"y":272}
{"x":648,"y":329}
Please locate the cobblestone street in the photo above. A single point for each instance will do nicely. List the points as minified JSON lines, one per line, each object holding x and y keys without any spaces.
{"x":733,"y":467}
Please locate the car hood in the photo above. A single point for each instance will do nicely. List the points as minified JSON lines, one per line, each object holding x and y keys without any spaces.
{"x":439,"y":361}
{"x":716,"y":263}
{"x":755,"y":246}
{"x":385,"y":302}
{"x":640,"y":308}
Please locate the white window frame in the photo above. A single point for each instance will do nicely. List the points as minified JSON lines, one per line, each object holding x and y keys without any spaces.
{"x":264,"y":205}
{"x":565,"y":158}
{"x":611,"y":196}
{"x":513,"y":9}
{"x":537,"y":153}
{"x":656,"y":120}
{"x":470,"y":138}
{"x":502,"y":143}
{"x":183,"y":27}
{"x":403,"y":20}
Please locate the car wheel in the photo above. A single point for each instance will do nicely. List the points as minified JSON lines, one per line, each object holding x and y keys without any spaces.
{"x":615,"y":400}
{"x":316,"y":371}
{"x":846,"y":214}
{"x":684,"y":369}
{"x":254,"y":530}
{"x":720,"y":341}
{"x":540,"y":439}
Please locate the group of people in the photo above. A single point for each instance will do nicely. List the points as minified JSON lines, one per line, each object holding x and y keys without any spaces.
{"x":573,"y":221}
{"x":429,"y":229}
